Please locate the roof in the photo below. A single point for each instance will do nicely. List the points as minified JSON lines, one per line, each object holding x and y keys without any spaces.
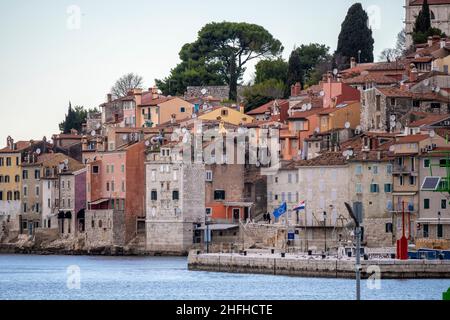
{"x":266,"y":107}
{"x":395,"y":92}
{"x":366,"y":78}
{"x":383,"y":66}
{"x":148,"y":100}
{"x":360,"y":67}
{"x":412,"y":138}
{"x":54,"y":159}
{"x":20,"y":146}
{"x":429,"y":120}
{"x":325,"y":159}
{"x":306,"y":114}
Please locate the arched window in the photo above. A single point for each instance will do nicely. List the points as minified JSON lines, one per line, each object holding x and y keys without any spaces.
{"x":432,"y":16}
{"x":16,"y":195}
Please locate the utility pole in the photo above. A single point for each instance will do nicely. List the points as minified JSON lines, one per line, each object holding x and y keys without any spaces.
{"x":357,"y":218}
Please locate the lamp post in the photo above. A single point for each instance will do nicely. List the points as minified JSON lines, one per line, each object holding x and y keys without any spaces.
{"x":325,"y":228}
{"x":359,"y":56}
{"x":358,"y":267}
{"x":208,"y":236}
{"x":439,"y":225}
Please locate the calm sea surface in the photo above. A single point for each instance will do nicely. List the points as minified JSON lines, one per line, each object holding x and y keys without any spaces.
{"x":28,"y":277}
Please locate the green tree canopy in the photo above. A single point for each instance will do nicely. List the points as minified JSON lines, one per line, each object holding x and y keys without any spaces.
{"x":315,"y":60}
{"x":75,"y":118}
{"x":262,"y":93}
{"x":355,"y":39}
{"x":271,"y":69}
{"x":226,"y":47}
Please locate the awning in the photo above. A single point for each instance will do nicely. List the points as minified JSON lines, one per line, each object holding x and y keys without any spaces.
{"x":98,"y":201}
{"x":404,"y":194}
{"x":219,"y":227}
{"x":239,"y":204}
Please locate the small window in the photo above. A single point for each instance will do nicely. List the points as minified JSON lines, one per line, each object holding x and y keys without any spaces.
{"x":154,"y":195}
{"x":374,"y":188}
{"x":100,"y":223}
{"x":175,"y":195}
{"x":426,"y":204}
{"x":358,"y":170}
{"x":17,"y":178}
{"x":95,"y":169}
{"x":208,"y":211}
{"x":224,"y":113}
{"x":8,"y":162}
{"x":182,"y":109}
{"x":25,"y":174}
{"x":426,"y":163}
{"x":389,"y":228}
{"x":388,"y":188}
{"x":440,"y":231}
{"x":443,"y":204}
{"x":219,"y":195}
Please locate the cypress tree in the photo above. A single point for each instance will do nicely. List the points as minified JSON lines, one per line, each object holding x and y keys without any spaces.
{"x":295,"y":73}
{"x":355,"y":35}
{"x":423,"y":21}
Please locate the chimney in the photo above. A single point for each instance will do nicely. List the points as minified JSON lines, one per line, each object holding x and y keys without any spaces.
{"x":413,"y":73}
{"x":10,"y":142}
{"x":430,"y":41}
{"x":109,"y":97}
{"x":241,"y":109}
{"x":296,"y":89}
{"x":353,"y":62}
{"x":443,"y":42}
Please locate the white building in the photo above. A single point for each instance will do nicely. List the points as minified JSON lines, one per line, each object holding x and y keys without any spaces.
{"x":175,"y":201}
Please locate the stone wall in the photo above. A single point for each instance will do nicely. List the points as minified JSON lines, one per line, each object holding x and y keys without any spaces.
{"x":329,"y":268}
{"x":105,"y":228}
{"x":218,"y":92}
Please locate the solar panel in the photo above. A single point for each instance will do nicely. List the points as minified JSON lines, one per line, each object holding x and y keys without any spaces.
{"x":431,"y":183}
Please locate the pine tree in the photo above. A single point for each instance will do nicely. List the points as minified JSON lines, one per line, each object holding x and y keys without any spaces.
{"x":355,"y":36}
{"x":295,"y":73}
{"x":423,"y":21}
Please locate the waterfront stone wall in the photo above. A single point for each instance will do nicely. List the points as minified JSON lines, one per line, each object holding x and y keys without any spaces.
{"x":328,"y":268}
{"x":105,"y":228}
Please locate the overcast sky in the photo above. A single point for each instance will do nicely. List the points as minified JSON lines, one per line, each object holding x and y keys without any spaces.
{"x":49,"y":56}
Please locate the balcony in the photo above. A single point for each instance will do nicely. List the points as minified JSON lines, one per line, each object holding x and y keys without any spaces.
{"x":404,"y":170}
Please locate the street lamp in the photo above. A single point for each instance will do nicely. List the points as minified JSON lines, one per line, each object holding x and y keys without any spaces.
{"x":439,"y":225}
{"x":208,"y":236}
{"x":357,"y":221}
{"x":325,"y":227}
{"x":359,"y":56}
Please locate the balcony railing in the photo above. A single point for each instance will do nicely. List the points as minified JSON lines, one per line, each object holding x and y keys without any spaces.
{"x":397,"y":169}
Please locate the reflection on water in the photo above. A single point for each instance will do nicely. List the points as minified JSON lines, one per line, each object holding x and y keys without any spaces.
{"x":93,"y":278}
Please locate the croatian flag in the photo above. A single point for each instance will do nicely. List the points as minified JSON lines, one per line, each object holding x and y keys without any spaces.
{"x":301,"y":206}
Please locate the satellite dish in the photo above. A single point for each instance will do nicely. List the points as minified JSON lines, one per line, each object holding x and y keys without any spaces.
{"x":393,"y":124}
{"x":392,"y":149}
{"x":347,"y":125}
{"x":345,"y":154}
{"x":438,"y":89}
{"x":350,"y":153}
{"x":184,"y":130}
{"x":93,"y":133}
{"x":98,"y":126}
{"x":304,"y":107}
{"x":393,"y":118}
{"x":38,"y":151}
{"x":322,"y":93}
{"x":204,"y":91}
{"x":66,"y":162}
{"x":124,"y":137}
{"x":432,"y":133}
{"x":186,"y":138}
{"x":194,"y":116}
{"x":317,"y":130}
{"x":147,"y":143}
{"x":335,"y":72}
{"x":359,"y":128}
{"x":309,"y":106}
{"x":426,"y":82}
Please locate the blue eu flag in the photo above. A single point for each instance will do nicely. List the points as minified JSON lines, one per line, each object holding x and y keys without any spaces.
{"x":280,"y":211}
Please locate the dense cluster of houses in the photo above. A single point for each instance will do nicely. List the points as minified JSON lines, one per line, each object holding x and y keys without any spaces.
{"x":154,"y":172}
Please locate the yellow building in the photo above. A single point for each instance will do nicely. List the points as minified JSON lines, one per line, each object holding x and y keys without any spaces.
{"x":157,"y":109}
{"x":337,"y":118}
{"x":11,"y":158}
{"x":227,"y":115}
